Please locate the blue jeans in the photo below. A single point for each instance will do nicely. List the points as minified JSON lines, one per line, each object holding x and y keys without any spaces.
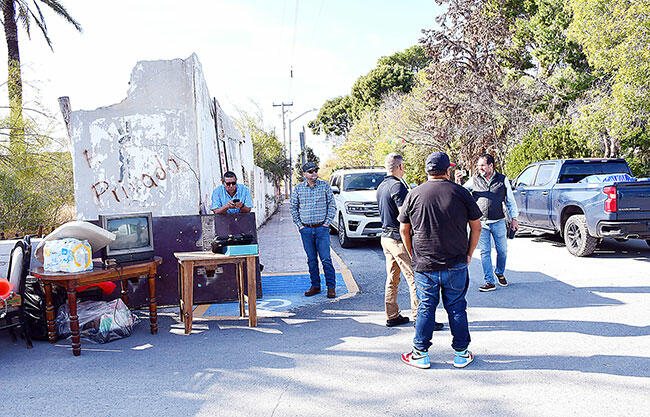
{"x":453,"y":283}
{"x":497,"y":231}
{"x":316,"y":241}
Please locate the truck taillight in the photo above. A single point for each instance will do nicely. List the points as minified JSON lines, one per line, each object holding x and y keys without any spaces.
{"x":610,"y":203}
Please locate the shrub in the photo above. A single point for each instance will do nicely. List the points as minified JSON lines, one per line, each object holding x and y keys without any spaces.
{"x":556,"y":142}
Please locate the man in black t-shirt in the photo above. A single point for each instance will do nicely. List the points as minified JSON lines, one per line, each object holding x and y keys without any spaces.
{"x":390,"y":196}
{"x":433,"y":226}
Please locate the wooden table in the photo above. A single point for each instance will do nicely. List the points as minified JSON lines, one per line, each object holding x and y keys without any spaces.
{"x":99,"y":274}
{"x":187,"y":261}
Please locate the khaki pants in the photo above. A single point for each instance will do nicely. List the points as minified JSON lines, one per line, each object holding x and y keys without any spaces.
{"x":397,"y":259}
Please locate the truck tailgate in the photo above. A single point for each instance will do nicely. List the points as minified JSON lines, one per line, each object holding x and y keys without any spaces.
{"x":633,"y":200}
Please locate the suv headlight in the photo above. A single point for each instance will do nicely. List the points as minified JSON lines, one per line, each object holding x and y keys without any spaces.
{"x":358,"y":207}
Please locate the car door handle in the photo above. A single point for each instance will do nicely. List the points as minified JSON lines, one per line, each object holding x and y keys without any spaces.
{"x":544,"y":192}
{"x":523,"y":192}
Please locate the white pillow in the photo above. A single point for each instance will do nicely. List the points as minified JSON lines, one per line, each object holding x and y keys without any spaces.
{"x":95,"y":235}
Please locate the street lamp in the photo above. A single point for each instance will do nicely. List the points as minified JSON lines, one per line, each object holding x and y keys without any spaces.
{"x":290,"y":161}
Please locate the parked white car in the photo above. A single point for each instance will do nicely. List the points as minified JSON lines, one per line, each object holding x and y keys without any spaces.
{"x":357,"y":212}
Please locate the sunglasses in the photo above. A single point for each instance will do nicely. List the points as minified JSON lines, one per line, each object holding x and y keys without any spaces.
{"x":230,"y":183}
{"x":311,"y":171}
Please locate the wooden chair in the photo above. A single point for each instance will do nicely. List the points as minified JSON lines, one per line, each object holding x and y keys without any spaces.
{"x":19,"y":261}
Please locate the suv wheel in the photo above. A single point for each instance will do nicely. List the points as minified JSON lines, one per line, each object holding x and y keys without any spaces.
{"x":344,"y":240}
{"x":577,"y":238}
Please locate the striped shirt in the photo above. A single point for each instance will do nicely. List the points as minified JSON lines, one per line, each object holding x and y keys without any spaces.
{"x":312,"y":205}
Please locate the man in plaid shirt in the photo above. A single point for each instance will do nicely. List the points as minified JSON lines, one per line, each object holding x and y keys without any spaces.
{"x":313,"y":209}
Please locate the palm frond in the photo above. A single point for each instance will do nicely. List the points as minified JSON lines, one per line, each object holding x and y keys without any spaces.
{"x":40,"y":22}
{"x":61,"y":11}
{"x":23,"y":16}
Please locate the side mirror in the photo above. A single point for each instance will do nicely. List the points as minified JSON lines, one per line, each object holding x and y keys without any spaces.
{"x":335,"y":189}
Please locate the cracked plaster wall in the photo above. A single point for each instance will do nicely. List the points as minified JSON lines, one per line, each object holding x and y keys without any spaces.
{"x":158,"y":150}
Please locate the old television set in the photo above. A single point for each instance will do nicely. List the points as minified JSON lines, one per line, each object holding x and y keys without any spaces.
{"x":133,"y":237}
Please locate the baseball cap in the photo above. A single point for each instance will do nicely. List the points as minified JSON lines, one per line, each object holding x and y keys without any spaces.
{"x":308,"y":166}
{"x":438,"y":161}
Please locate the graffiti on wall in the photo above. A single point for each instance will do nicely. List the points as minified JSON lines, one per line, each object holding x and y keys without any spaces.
{"x":139,"y":170}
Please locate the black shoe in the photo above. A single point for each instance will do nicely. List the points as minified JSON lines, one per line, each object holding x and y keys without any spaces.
{"x":397,"y":321}
{"x":436,"y":327}
{"x":501,"y":279}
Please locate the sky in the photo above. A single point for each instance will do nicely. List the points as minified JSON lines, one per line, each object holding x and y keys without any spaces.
{"x":254,"y":53}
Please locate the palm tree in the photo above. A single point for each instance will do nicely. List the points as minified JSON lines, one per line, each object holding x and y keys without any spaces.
{"x":26,"y":11}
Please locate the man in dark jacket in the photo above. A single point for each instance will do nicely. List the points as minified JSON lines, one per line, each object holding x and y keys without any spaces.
{"x":491,"y":190}
{"x":390,"y":196}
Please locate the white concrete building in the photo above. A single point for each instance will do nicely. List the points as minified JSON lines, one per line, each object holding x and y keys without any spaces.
{"x":162,"y":149}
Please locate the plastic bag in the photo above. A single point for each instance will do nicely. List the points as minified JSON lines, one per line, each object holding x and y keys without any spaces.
{"x":596,"y":179}
{"x":99,"y":321}
{"x":67,"y":255}
{"x":34,"y":304}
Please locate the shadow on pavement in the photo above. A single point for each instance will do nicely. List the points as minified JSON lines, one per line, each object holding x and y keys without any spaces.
{"x":594,"y":328}
{"x":608,"y":248}
{"x":621,"y":365}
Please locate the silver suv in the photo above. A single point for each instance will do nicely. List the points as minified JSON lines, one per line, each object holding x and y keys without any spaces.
{"x":357,"y":212}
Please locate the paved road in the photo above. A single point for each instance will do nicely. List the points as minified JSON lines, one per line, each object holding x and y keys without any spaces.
{"x":569,"y":337}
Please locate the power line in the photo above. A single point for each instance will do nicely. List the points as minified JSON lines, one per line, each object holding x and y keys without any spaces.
{"x":293,"y":49}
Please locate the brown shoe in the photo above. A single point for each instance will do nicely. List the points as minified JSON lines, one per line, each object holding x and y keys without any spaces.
{"x":331,"y":292}
{"x":312,"y":291}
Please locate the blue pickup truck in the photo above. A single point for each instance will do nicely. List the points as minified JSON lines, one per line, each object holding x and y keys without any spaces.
{"x":579,"y":200}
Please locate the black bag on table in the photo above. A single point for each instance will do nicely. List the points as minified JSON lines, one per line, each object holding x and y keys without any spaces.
{"x":220,"y":242}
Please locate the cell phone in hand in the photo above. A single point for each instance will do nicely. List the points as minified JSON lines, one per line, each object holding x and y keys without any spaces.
{"x":235,"y":200}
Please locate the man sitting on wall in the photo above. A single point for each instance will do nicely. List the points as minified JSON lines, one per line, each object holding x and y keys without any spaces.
{"x":231,"y":197}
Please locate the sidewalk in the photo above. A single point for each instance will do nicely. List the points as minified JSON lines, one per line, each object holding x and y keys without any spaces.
{"x":285,"y":277}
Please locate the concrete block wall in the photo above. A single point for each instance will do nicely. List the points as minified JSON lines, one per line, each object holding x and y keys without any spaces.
{"x":163,"y":149}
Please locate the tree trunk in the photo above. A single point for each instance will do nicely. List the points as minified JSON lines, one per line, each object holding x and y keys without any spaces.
{"x":14,"y":82}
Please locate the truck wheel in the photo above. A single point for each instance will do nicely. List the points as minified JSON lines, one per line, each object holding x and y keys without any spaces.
{"x":344,"y":240}
{"x":577,"y":238}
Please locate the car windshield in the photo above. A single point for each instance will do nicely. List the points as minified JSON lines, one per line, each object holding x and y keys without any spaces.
{"x":362,"y":181}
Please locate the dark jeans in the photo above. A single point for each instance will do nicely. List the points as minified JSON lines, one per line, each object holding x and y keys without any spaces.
{"x":316,"y":241}
{"x":453,"y":283}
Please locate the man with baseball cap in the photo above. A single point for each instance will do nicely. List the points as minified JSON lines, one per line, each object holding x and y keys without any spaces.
{"x":313,"y":209}
{"x":433,"y":227}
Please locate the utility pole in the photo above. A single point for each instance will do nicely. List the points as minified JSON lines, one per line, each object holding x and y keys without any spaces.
{"x":284,"y":140}
{"x":302,"y":146}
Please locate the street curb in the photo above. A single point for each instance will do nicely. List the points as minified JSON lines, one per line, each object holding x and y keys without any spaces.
{"x":348,"y":278}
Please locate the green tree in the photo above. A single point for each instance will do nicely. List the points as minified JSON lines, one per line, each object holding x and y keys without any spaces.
{"x":413,"y":59}
{"x":14,"y":11}
{"x":36,"y":185}
{"x":369,"y":90}
{"x":615,"y":36}
{"x":268,"y":152}
{"x":310,"y":156}
{"x":540,"y":144}
{"x":334,"y":117}
{"x":394,"y":73}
